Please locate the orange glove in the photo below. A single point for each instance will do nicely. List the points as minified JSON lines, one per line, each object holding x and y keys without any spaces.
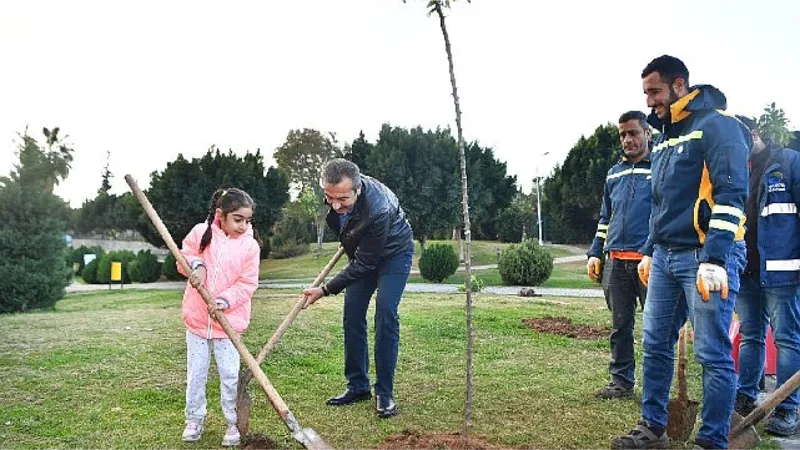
{"x":593,"y":267}
{"x":644,"y":269}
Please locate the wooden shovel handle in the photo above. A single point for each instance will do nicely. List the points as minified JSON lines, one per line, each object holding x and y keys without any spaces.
{"x":770,"y":403}
{"x":298,"y":306}
{"x":682,"y":363}
{"x":274,"y":398}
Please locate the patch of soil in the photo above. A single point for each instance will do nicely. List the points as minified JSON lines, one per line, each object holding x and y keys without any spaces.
{"x":413,"y":440}
{"x":563,"y":326}
{"x":257,"y":442}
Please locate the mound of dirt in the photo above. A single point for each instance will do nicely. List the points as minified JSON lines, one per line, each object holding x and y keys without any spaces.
{"x":413,"y":440}
{"x":257,"y":442}
{"x":563,"y":326}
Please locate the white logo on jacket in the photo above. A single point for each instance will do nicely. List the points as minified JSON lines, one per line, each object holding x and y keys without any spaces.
{"x":777,"y":187}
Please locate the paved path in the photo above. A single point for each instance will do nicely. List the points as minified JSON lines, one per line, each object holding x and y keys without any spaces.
{"x":453,"y":289}
{"x":297,"y":283}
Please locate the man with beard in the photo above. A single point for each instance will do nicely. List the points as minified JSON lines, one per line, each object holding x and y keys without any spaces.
{"x":621,"y":232}
{"x":695,"y":249}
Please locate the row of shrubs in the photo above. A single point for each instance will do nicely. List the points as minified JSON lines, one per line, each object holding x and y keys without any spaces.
{"x":525,"y":264}
{"x":142,"y":267}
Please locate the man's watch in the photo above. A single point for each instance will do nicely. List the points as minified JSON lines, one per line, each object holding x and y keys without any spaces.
{"x":325,"y":290}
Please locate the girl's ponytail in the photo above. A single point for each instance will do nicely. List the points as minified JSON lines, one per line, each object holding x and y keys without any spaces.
{"x":212,"y":211}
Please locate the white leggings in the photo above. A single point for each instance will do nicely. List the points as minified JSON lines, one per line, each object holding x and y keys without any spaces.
{"x":197,"y":362}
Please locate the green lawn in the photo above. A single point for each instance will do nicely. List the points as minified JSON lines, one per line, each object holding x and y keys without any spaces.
{"x":107,"y":370}
{"x":490,"y":277}
{"x":570,"y":275}
{"x":310,"y":264}
{"x":565,"y":275}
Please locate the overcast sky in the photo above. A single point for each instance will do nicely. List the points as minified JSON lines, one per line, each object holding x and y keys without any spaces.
{"x":148,"y":80}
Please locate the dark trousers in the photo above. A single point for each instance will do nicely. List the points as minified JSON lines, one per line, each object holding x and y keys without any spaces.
{"x":390,"y":282}
{"x":622,"y":288}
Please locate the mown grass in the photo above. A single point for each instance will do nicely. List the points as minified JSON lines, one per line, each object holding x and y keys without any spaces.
{"x":565,"y":276}
{"x":107,"y":370}
{"x":310,"y":264}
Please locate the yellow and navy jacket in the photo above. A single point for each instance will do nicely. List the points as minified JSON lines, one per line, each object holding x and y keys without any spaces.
{"x":778,"y":221}
{"x":625,"y":210}
{"x":700,"y":177}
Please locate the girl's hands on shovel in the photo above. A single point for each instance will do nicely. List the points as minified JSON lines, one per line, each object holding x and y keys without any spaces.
{"x":221,"y":305}
{"x":198,"y":277}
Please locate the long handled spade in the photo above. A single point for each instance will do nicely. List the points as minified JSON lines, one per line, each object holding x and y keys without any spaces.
{"x":682,"y":412}
{"x":305,"y":436}
{"x":743,"y":434}
{"x":243,"y":401}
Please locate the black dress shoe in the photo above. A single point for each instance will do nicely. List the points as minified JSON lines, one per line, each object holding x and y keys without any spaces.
{"x":385,"y":406}
{"x":348,"y":397}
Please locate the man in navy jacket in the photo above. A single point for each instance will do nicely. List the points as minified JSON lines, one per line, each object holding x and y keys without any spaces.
{"x":770,"y":291}
{"x":695,"y":248}
{"x":621,"y":232}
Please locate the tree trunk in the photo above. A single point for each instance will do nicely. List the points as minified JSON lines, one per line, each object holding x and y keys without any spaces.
{"x":467,"y":232}
{"x":460,"y":246}
{"x":422,"y":241}
{"x":320,"y":232}
{"x":457,"y":237}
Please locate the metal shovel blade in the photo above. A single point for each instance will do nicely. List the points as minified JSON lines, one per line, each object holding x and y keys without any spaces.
{"x":746,"y":438}
{"x":682,"y":415}
{"x":682,"y":412}
{"x":311,"y":440}
{"x":244,"y":404}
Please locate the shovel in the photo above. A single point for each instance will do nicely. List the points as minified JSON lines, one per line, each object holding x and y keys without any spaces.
{"x":743,"y":434}
{"x":307,"y":437}
{"x":682,"y":412}
{"x":243,"y":401}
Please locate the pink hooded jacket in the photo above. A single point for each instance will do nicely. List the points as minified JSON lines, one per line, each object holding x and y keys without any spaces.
{"x":231,"y":274}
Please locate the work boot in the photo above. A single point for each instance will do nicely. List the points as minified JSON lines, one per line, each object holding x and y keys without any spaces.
{"x":782,"y":422}
{"x":232,"y":436}
{"x":641,"y":437}
{"x":744,"y":405}
{"x":614,"y":390}
{"x":193,"y":431}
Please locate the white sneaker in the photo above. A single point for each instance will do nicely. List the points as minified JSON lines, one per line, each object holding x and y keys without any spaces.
{"x":231,"y":436}
{"x":193,"y":431}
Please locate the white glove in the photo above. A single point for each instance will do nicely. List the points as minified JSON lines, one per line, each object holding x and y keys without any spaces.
{"x":593,"y":268}
{"x":712,"y":278}
{"x":644,"y":269}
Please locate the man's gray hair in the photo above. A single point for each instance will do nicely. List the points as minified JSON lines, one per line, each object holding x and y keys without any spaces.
{"x":337,"y":169}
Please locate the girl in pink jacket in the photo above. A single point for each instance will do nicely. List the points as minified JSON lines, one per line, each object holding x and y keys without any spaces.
{"x":224,"y":255}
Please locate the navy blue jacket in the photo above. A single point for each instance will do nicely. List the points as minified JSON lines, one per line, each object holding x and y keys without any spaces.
{"x":376,"y":231}
{"x":625,"y":211}
{"x":700,"y":177}
{"x":778,"y":222}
